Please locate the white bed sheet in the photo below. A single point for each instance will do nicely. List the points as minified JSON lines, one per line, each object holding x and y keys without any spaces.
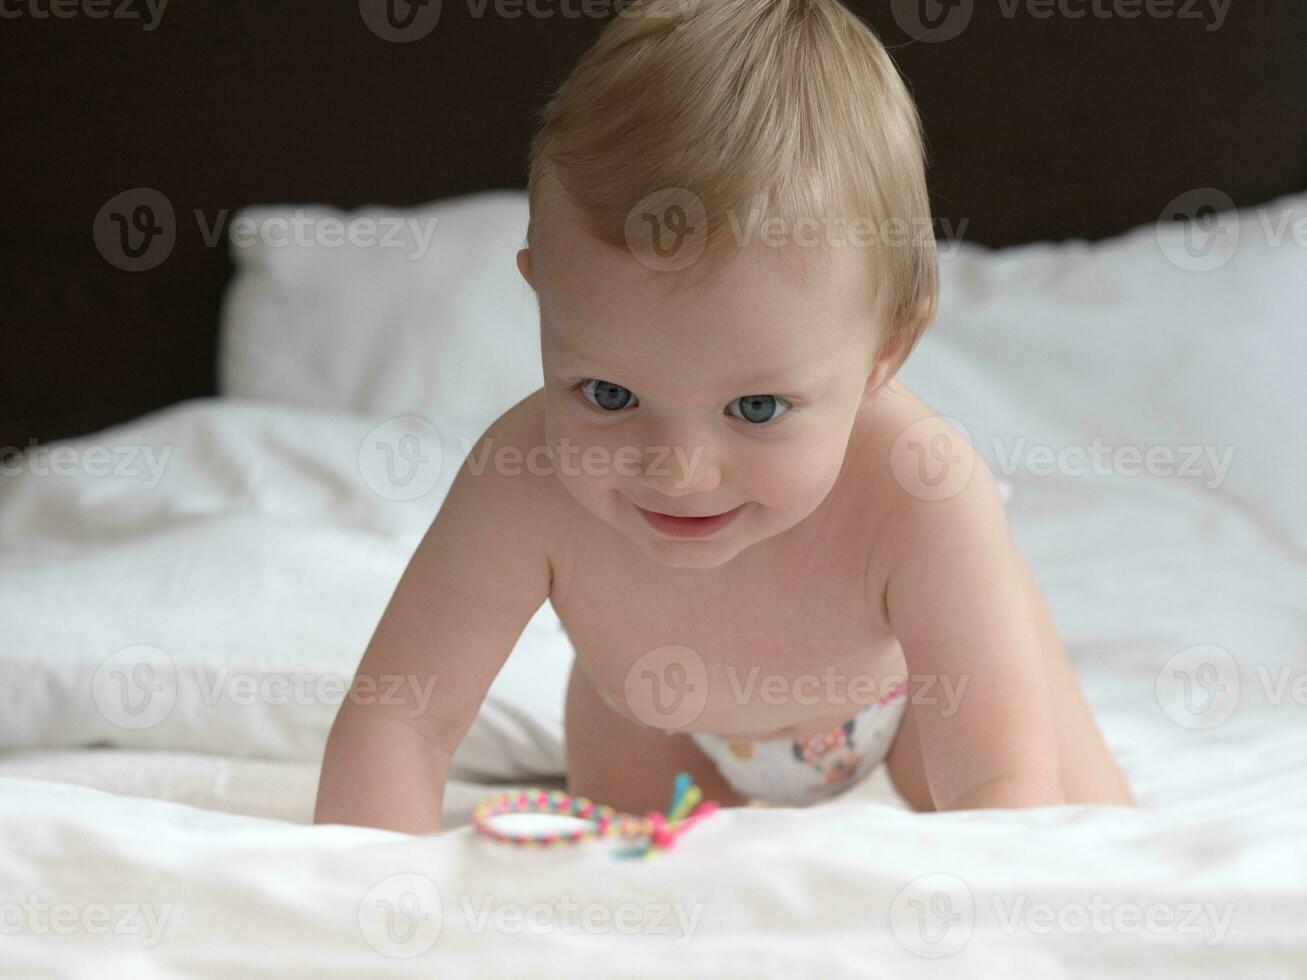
{"x":267,"y":788}
{"x":221,"y":605}
{"x":1135,"y":570}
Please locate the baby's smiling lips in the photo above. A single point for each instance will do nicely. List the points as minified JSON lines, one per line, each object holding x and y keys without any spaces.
{"x":688,"y":527}
{"x":695,"y":517}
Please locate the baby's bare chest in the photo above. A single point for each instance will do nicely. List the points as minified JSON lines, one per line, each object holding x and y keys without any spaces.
{"x":785,"y":647}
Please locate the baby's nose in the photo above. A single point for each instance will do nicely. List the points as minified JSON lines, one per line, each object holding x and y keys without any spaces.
{"x":680,"y":466}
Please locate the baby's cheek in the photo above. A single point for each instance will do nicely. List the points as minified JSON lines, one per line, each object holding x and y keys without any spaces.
{"x":797,"y":477}
{"x":590,"y":463}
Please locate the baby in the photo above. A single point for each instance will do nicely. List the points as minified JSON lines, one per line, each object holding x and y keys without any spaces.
{"x":778,"y":567}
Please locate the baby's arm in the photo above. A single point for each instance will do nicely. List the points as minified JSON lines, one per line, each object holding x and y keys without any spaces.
{"x":957,"y":603}
{"x":478,"y":575}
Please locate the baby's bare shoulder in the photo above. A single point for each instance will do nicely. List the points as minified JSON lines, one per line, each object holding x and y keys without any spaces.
{"x":923,"y":486}
{"x":934,"y":473}
{"x":512,"y":455}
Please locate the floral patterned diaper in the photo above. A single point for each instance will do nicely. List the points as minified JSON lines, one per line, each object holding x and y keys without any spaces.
{"x":799,"y":771}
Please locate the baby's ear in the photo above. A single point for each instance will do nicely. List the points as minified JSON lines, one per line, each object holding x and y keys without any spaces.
{"x":917,"y":320}
{"x":524,"y":266}
{"x":887,"y":362}
{"x":908,"y":323}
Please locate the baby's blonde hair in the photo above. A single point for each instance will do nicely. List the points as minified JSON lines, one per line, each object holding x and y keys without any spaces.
{"x":792,"y":103}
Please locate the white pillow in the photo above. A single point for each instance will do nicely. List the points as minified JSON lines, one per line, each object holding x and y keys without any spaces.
{"x":1139,"y":343}
{"x":383,"y":311}
{"x":207,"y":577}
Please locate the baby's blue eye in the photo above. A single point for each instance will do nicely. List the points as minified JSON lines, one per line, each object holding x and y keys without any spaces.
{"x":608,"y":396}
{"x":759,"y":408}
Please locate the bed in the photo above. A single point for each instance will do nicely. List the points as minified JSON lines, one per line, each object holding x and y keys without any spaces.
{"x":190,"y":568}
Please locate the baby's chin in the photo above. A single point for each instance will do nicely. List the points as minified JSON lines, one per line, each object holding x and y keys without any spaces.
{"x":691,"y":555}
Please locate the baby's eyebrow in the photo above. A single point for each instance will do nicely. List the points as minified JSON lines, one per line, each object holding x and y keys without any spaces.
{"x":791,"y":378}
{"x":781,"y":378}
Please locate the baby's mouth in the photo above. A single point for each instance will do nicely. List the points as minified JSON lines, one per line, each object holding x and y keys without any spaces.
{"x":680,"y":526}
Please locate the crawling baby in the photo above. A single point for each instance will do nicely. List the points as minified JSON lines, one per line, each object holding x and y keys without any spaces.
{"x":779,"y":569}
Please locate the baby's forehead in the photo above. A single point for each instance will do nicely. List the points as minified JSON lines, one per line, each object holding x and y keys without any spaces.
{"x":754,"y":273}
{"x":695,"y":348}
{"x":745,"y":297}
{"x":824,"y":266}
{"x":818,"y":247}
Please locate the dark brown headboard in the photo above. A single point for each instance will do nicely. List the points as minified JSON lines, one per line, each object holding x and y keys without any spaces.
{"x":1039,"y":127}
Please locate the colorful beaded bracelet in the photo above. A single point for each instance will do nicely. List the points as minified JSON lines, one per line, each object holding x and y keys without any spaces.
{"x":659,"y":832}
